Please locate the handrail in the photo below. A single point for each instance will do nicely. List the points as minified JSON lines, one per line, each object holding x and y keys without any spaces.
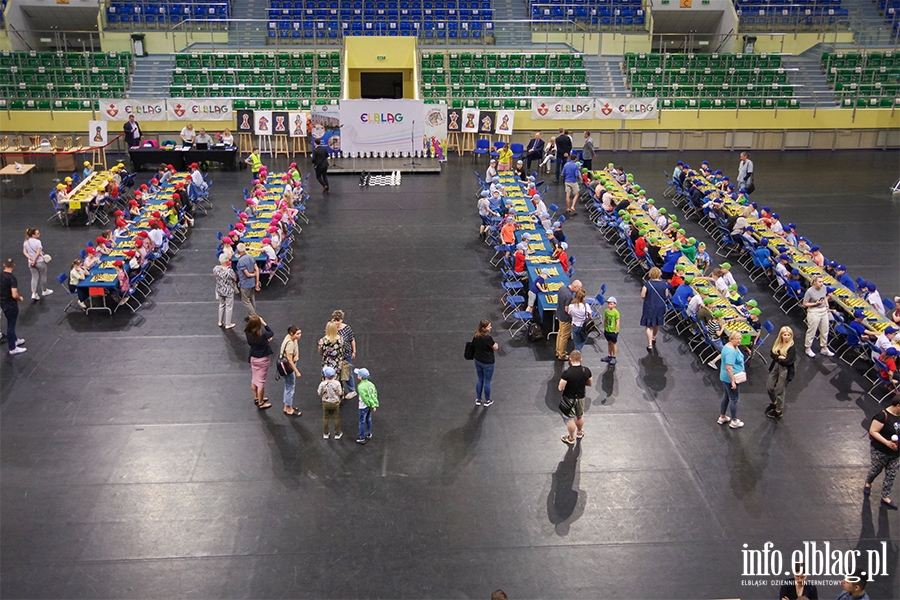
{"x":19,"y":35}
{"x":730,"y":32}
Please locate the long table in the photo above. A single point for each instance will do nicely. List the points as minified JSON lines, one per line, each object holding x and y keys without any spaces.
{"x":180,"y":159}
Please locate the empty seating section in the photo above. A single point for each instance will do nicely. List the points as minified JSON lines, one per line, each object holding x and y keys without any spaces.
{"x":792,"y":15}
{"x":62,"y":80}
{"x":891,"y":10}
{"x":710,"y":80}
{"x":604,"y":14}
{"x":271,"y":78}
{"x":864,"y":80}
{"x":437,"y":20}
{"x":128,"y":14}
{"x":500,"y":80}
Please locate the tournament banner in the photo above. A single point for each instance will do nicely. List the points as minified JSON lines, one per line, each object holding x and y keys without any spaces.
{"x":97,"y":133}
{"x":280,"y":122}
{"x":562,"y":109}
{"x":470,"y":120}
{"x":326,"y":125}
{"x":504,"y":121}
{"x":245,"y":121}
{"x":434,"y":144}
{"x":385,"y":126}
{"x":298,"y":121}
{"x":454,"y":119}
{"x":143,"y":109}
{"x":619,"y":109}
{"x":486,"y":121}
{"x":262,"y":122}
{"x":194,"y":109}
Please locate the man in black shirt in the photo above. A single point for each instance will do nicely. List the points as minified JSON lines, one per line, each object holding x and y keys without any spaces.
{"x":563,"y":149}
{"x":320,"y":162}
{"x":572,"y":384}
{"x":9,"y":303}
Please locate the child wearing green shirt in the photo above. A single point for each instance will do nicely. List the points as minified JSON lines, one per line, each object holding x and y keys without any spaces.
{"x":368,"y":403}
{"x":611,"y":329}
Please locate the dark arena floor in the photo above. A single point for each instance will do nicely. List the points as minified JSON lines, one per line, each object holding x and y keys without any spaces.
{"x":133,"y":465}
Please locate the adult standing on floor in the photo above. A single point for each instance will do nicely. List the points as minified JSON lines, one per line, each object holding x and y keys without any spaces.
{"x":9,"y":303}
{"x":571,"y":175}
{"x":587,"y":152}
{"x":258,"y":337}
{"x":815,"y":301}
{"x":225,"y":289}
{"x":572,"y":384}
{"x":731,"y":374}
{"x":320,"y":163}
{"x":132,"y":132}
{"x":534,"y":150}
{"x":745,"y":174}
{"x":484,"y":346}
{"x":248,"y":279}
{"x":563,"y":149}
{"x":331,"y":348}
{"x":885,"y":453}
{"x":564,"y":297}
{"x":37,"y":263}
{"x":348,"y":350}
{"x":781,"y":371}
{"x":580,"y":312}
{"x":653,"y":313}
{"x":290,"y":355}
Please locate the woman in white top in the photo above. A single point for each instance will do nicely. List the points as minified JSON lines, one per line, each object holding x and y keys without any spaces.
{"x":187,"y":134}
{"x":226,"y":137}
{"x":34,"y":252}
{"x":580,"y":312}
{"x":549,"y":154}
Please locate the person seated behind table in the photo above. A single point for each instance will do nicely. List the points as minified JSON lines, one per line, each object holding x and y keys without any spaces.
{"x":88,"y":170}
{"x":793,"y":282}
{"x":497,"y":186}
{"x":530,"y":190}
{"x":874,"y":298}
{"x":653,"y":252}
{"x":122,"y":282}
{"x":121,"y":230}
{"x":491,"y":170}
{"x":158,"y":237}
{"x":803,"y":245}
{"x":817,"y":257}
{"x":103,"y":244}
{"x":91,"y":259}
{"x":134,"y":261}
{"x":764,"y":255}
{"x":671,"y":258}
{"x":640,"y":244}
{"x":273,"y":232}
{"x":537,"y":286}
{"x":545,"y":223}
{"x":677,"y":277}
{"x":519,"y":268}
{"x":250,"y":207}
{"x":683,"y":293}
{"x":520,"y":171}
{"x":662,"y":221}
{"x":858,"y":324}
{"x":227,"y":247}
{"x":202,"y":138}
{"x":884,"y":340}
{"x":197,"y":177}
{"x":140,"y":250}
{"x":171,"y":215}
{"x":715,"y":324}
{"x":162,"y":174}
{"x":696,"y":299}
{"x":269,"y":251}
{"x":538,"y":206}
{"x":782,"y":272}
{"x":508,"y":231}
{"x":77,"y":275}
{"x":890,"y":358}
{"x":562,"y":256}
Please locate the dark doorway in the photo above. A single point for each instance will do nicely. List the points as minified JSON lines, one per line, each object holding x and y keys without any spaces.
{"x":381,"y":85}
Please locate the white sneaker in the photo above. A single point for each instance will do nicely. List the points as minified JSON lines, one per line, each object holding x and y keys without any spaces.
{"x":35,"y":297}
{"x":326,"y":436}
{"x":18,"y":350}
{"x":723,"y":420}
{"x":339,"y":435}
{"x":20,"y":341}
{"x":827,"y":352}
{"x":736,"y":424}
{"x":351,"y":395}
{"x":810,"y":353}
{"x":46,"y":292}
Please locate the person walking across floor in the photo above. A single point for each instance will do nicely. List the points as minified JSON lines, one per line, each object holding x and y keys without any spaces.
{"x":884,"y":452}
{"x":320,"y":163}
{"x":653,"y":313}
{"x":815,"y":301}
{"x":564,"y":297}
{"x":248,"y":279}
{"x":587,"y":152}
{"x":781,"y":371}
{"x":9,"y":303}
{"x":732,"y":375}
{"x":572,"y":175}
{"x":258,"y":337}
{"x":289,"y":355}
{"x":330,"y":392}
{"x":225,"y":288}
{"x":37,"y":263}
{"x":563,"y":149}
{"x":745,"y":174}
{"x":611,"y":330}
{"x":484,"y":347}
{"x":368,"y":404}
{"x":580,"y":312}
{"x":254,"y":161}
{"x":348,"y":353}
{"x":572,"y":384}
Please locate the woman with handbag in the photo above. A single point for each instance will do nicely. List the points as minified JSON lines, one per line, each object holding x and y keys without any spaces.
{"x":731,"y":374}
{"x":579,"y":312}
{"x":287,"y":368}
{"x":484,"y":346}
{"x":781,"y":371}
{"x":37,"y":263}
{"x":225,"y":289}
{"x":653,"y":313}
{"x":885,"y":453}
{"x":349,"y":352}
{"x":258,"y":337}
{"x":331,"y":347}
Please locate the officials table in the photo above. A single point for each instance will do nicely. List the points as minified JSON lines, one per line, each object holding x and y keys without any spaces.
{"x":11,"y":171}
{"x":180,"y":159}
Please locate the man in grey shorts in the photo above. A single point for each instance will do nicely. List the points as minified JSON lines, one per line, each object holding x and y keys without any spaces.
{"x":572,"y":384}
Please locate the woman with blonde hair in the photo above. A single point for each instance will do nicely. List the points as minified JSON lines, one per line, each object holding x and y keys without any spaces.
{"x":580,"y":312}
{"x":781,"y":371}
{"x":331,"y":347}
{"x":349,"y":353}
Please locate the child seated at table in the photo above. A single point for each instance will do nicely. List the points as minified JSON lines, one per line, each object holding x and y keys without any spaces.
{"x":560,"y":254}
{"x":496,"y":186}
{"x":519,"y":269}
{"x":91,"y":259}
{"x":122,"y":282}
{"x":134,"y":208}
{"x":140,"y":251}
{"x":227,"y":247}
{"x":121,"y":230}
{"x":154,"y":186}
{"x":250,"y":207}
{"x":269,"y":251}
{"x":294,"y":173}
{"x":803,"y":245}
{"x":77,"y":275}
{"x":286,"y":206}
{"x":171,"y":216}
{"x":103,"y":245}
{"x":158,"y":236}
{"x":508,"y":231}
{"x":545,"y":222}
{"x":520,"y":171}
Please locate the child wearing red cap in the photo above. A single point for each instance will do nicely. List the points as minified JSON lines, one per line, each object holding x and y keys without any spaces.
{"x":171,"y":214}
{"x":140,"y":250}
{"x":122,"y":282}
{"x":227,"y":247}
{"x":101,"y":245}
{"x":121,"y":230}
{"x":160,"y":241}
{"x":134,"y":261}
{"x":134,"y":208}
{"x":77,"y":275}
{"x":91,"y":259}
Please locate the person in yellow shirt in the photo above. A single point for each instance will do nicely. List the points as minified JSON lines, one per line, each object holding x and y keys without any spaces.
{"x":505,"y":161}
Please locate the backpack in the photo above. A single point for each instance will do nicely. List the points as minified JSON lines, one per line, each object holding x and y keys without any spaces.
{"x":534,"y":331}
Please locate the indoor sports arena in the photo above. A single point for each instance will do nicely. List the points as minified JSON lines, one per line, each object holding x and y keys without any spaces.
{"x":669,"y":229}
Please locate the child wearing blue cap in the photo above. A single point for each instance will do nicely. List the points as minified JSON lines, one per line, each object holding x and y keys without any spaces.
{"x":368,"y":403}
{"x":331,"y":392}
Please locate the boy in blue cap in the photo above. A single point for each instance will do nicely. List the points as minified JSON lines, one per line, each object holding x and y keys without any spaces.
{"x":331,"y":391}
{"x":368,"y":403}
{"x":840,"y":273}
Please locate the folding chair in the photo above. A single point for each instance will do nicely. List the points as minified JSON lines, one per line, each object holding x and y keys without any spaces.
{"x":854,"y":344}
{"x":767,"y":329}
{"x":63,"y":280}
{"x":892,"y":387}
